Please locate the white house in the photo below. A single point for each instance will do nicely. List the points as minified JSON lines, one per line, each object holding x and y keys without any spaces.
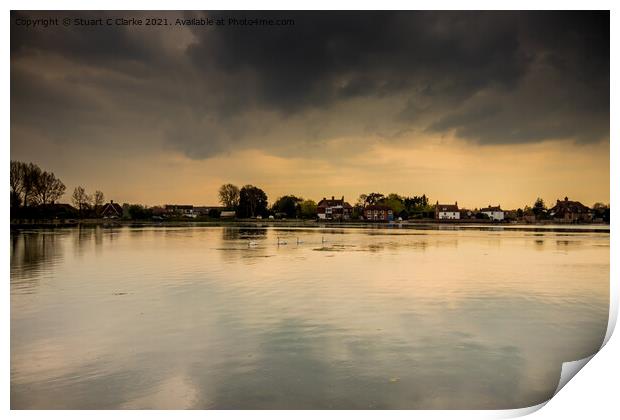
{"x":447,"y":211}
{"x":494,"y":213}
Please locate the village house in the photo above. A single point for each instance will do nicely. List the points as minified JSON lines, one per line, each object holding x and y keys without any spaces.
{"x":204,"y":210}
{"x":111,"y":210}
{"x":185,"y":210}
{"x":494,"y":212}
{"x":334,"y":209}
{"x":447,"y":211}
{"x":201,"y":210}
{"x":570,"y":211}
{"x":378,"y":212}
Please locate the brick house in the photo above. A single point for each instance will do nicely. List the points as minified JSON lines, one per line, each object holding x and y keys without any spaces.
{"x":334,"y":209}
{"x":570,"y":211}
{"x":378,"y":212}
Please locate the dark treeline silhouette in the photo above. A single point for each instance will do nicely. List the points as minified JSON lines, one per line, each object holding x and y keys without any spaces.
{"x":416,"y":207}
{"x":35,"y":192}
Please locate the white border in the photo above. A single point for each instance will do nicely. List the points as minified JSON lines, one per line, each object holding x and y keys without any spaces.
{"x":593,"y":394}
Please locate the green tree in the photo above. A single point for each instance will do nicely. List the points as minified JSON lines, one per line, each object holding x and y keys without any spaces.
{"x":417,"y":204}
{"x":370,"y":199}
{"x":539,"y":209}
{"x":394,"y":202}
{"x":214,"y":213}
{"x":307,"y":209}
{"x":229,"y":196}
{"x":288,"y":204}
{"x":252,"y":202}
{"x":140,"y":212}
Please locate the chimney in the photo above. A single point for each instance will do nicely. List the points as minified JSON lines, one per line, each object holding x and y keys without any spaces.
{"x":332,"y":198}
{"x":565,"y":198}
{"x":111,"y":201}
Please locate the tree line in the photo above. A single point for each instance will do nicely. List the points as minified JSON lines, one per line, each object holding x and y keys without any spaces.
{"x":401,"y":206}
{"x":34,"y":192}
{"x":250,"y":201}
{"x":32,"y":186}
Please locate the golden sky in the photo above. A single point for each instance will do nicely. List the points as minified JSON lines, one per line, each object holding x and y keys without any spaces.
{"x":476,"y":107}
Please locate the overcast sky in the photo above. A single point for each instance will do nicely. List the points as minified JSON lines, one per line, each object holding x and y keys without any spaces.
{"x":479,"y":108}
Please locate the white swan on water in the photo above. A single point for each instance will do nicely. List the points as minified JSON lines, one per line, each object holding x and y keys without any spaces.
{"x":281,"y":241}
{"x":300,"y":241}
{"x":252,"y":243}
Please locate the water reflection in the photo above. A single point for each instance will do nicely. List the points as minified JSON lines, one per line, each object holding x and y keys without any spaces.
{"x":234,"y":233}
{"x":175,"y":317}
{"x":31,"y":253}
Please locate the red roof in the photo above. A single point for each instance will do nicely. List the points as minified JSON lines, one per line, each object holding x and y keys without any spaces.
{"x":447,"y":207}
{"x":377,"y":207}
{"x":491,"y":208}
{"x":334,"y":202}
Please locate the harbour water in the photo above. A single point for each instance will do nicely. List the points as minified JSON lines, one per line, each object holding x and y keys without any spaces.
{"x":295,"y":318}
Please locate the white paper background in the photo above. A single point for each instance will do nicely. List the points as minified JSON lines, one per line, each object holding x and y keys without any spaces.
{"x":592,"y":394}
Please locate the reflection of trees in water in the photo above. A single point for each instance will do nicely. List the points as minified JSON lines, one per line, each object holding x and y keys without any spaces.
{"x":98,"y":236}
{"x":34,"y":252}
{"x":85,"y":236}
{"x":82,"y":236}
{"x":565,"y":243}
{"x":241,"y":251}
{"x":237,"y":233}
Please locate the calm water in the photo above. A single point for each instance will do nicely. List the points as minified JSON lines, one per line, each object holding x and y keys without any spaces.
{"x":198,"y":318}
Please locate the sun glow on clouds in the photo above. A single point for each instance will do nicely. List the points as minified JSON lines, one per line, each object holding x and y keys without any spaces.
{"x":503,"y":115}
{"x":446,"y":169}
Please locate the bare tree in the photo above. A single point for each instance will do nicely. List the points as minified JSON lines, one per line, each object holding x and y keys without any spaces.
{"x":81,"y":199}
{"x":47,"y":188}
{"x":17,"y":182}
{"x":32,"y":173}
{"x":98,"y":199}
{"x":229,"y":195}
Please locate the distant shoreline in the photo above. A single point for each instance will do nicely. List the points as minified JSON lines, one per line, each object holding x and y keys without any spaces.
{"x":429,"y":224}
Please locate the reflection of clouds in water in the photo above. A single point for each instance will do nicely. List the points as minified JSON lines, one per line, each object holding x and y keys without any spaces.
{"x":173,"y":393}
{"x":471,"y":326}
{"x":296,"y":368}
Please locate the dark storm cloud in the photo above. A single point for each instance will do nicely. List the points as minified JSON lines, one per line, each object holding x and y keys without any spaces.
{"x":327,"y":57}
{"x":489,"y":77}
